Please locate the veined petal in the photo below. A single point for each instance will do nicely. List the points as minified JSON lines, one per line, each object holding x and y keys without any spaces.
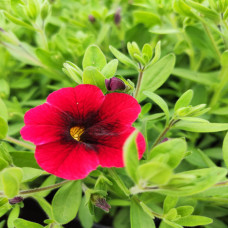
{"x":41,"y":134}
{"x":119,"y":109}
{"x":69,"y":161}
{"x":80,"y":101}
{"x":110,"y":151}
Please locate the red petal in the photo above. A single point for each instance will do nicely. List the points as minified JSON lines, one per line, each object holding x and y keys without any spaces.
{"x":41,"y":134}
{"x":119,"y":108}
{"x":68,"y":161}
{"x":44,"y":114}
{"x":79,"y":101}
{"x":111,"y":152}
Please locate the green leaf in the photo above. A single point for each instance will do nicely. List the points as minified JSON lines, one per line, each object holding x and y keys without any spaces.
{"x":174,"y":148}
{"x":3,"y":164}
{"x":48,"y":181}
{"x":11,"y":179}
{"x":201,"y":127}
{"x":13,"y":216}
{"x":160,"y":102}
{"x":109,"y":70}
{"x":21,"y":223}
{"x":18,"y":22}
{"x":5,"y":154}
{"x":155,"y":172}
{"x":204,"y":11}
{"x":44,"y":205}
{"x":94,"y":57}
{"x":24,"y":159}
{"x":169,"y":203}
{"x":4,"y":112}
{"x":194,"y":181}
{"x":3,"y":127}
{"x":123,"y":58}
{"x":139,"y":219}
{"x":172,"y":214}
{"x":185,"y":210}
{"x":131,"y":157}
{"x":147,"y":51}
{"x":66,"y":202}
{"x":184,"y":100}
{"x":194,"y":220}
{"x":209,"y":78}
{"x":147,"y":18}
{"x":84,"y":215}
{"x":182,"y":8}
{"x":92,"y":76}
{"x":45,"y":57}
{"x":30,"y":174}
{"x":155,"y":75}
{"x":225,"y":149}
{"x":72,"y":72}
{"x":157,"y":54}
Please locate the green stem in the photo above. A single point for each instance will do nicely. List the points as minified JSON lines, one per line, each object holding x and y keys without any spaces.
{"x":35,"y":190}
{"x":15,"y":141}
{"x":163,"y":133}
{"x":212,"y":40}
{"x":141,"y":70}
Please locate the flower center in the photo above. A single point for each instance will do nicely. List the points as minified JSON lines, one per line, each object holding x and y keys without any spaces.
{"x":76,"y":132}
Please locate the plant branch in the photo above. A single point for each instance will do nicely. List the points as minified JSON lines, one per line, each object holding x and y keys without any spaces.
{"x":35,"y":190}
{"x":163,"y":133}
{"x":15,"y":141}
{"x":141,"y":70}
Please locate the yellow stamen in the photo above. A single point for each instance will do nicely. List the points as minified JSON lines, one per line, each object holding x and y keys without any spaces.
{"x":76,"y":132}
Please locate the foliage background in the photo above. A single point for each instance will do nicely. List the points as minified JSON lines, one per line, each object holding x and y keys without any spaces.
{"x":38,"y":37}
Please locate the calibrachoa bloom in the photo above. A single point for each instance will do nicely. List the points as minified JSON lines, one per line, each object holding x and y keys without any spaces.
{"x":79,"y":128}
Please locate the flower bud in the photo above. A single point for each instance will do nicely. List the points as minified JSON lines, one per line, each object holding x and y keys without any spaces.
{"x":101,"y":203}
{"x":16,"y":199}
{"x":117,"y":16}
{"x":92,"y":19}
{"x":114,"y":83}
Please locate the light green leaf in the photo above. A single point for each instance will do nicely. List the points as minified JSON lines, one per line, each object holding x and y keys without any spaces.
{"x":204,"y":11}
{"x":94,"y":57}
{"x":21,"y":223}
{"x":147,"y":18}
{"x":155,"y":75}
{"x":185,"y":210}
{"x":24,"y":159}
{"x":84,"y":215}
{"x":184,"y":100}
{"x":139,"y":219}
{"x":92,"y":76}
{"x":3,"y":164}
{"x":201,"y":127}
{"x":131,"y":157}
{"x":160,"y":102}
{"x":194,"y":220}
{"x":13,"y":216}
{"x":44,"y":205}
{"x":155,"y":172}
{"x":30,"y":174}
{"x":109,"y":69}
{"x":18,"y":22}
{"x":3,"y":128}
{"x":66,"y":202}
{"x":225,"y":149}
{"x":11,"y":179}
{"x":175,"y":148}
{"x":123,"y":58}
{"x":209,"y":78}
{"x":3,"y":112}
{"x":169,"y":203}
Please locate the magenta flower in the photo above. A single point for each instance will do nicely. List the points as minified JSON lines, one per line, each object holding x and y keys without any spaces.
{"x":79,"y":128}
